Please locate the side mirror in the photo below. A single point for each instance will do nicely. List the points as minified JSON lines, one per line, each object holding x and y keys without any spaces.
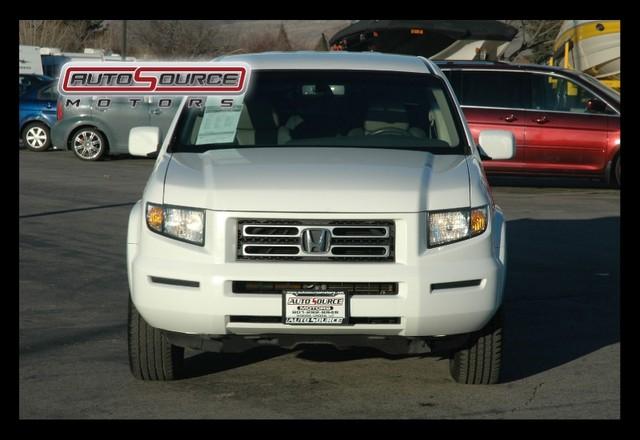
{"x":143,"y":141}
{"x":498,"y":144}
{"x":594,"y":105}
{"x":483,"y":155}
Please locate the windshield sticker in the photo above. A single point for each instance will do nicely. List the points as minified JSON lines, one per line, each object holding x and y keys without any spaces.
{"x":219,"y":123}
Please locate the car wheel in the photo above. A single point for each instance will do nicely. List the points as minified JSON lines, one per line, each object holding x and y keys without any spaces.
{"x":89,"y":144}
{"x":478,"y":362}
{"x":616,"y":172}
{"x":35,"y":136}
{"x":151,"y":355}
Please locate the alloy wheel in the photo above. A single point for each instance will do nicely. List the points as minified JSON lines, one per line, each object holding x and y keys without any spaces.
{"x":87,"y":144}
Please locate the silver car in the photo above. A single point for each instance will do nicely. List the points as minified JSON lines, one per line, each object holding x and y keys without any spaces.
{"x":94,"y":127}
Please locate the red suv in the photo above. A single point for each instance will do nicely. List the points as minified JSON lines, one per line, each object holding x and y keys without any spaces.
{"x":565,"y":122}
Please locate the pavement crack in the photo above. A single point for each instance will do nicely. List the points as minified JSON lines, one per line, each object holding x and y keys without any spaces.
{"x":533,"y":394}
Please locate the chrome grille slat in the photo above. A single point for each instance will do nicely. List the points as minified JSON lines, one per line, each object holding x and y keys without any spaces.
{"x":301,"y":228}
{"x":355,"y":246}
{"x":300,"y":252}
{"x":248,"y":234}
{"x":349,"y":240}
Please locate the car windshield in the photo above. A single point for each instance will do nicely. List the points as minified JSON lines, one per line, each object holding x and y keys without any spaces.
{"x":329,"y":109}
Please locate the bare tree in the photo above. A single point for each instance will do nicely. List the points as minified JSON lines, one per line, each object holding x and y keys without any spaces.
{"x":43,"y":33}
{"x":175,"y":39}
{"x":68,"y":35}
{"x":266,"y":41}
{"x":322,"y":45}
{"x":283,"y":39}
{"x":537,"y":38}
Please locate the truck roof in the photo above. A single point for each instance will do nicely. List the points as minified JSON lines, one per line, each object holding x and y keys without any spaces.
{"x":335,"y":60}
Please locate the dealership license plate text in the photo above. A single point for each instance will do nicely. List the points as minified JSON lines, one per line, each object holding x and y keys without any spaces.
{"x":326,"y":308}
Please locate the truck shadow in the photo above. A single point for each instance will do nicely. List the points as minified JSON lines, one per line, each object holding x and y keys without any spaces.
{"x":202,"y":364}
{"x":562,"y":302}
{"x":562,"y":297}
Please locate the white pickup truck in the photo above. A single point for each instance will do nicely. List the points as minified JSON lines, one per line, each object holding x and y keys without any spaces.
{"x":344,"y":202}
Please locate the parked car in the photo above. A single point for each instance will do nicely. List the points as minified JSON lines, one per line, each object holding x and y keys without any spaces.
{"x":37,"y":113}
{"x":26,"y":81}
{"x":565,"y":122}
{"x":342,"y":202}
{"x":93,"y":130}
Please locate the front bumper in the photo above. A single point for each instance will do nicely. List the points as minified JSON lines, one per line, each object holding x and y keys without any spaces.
{"x":207,"y":309}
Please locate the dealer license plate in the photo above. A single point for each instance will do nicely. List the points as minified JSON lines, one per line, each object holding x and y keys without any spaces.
{"x":310,"y":307}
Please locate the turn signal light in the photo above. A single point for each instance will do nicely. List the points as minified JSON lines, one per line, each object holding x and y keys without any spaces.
{"x":478,"y":222}
{"x":155,"y":217}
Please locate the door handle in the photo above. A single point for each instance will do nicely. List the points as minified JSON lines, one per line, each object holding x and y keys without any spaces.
{"x":510,"y":118}
{"x":541,"y":120}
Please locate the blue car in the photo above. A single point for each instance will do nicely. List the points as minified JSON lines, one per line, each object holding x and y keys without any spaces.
{"x":37,"y":116}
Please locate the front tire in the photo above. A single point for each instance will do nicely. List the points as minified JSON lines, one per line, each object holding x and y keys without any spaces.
{"x":88,"y":144}
{"x":151,"y":355}
{"x":36,"y":137}
{"x":479,"y":361}
{"x":617,"y":172}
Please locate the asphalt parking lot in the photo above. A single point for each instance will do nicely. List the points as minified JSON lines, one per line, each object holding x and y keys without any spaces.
{"x":562,"y":347}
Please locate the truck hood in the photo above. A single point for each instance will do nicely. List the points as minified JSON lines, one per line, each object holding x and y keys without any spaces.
{"x":309,"y":179}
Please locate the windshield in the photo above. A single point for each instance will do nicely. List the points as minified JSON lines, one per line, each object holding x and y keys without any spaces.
{"x":329,"y":109}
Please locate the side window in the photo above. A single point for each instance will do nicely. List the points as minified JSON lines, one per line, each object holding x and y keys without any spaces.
{"x":560,"y":94}
{"x":24,"y":84}
{"x":493,"y":89}
{"x":48,"y":93}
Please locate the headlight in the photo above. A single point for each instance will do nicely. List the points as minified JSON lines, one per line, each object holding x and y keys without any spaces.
{"x":185,"y":224}
{"x":446,"y":227}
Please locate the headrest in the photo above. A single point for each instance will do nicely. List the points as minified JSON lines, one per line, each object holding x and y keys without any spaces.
{"x":382,"y":115}
{"x":258,"y":115}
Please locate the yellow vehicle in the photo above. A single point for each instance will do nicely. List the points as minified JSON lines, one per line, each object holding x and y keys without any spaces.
{"x":591,"y":46}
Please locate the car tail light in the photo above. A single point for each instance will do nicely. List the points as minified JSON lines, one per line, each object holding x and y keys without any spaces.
{"x":59,"y":110}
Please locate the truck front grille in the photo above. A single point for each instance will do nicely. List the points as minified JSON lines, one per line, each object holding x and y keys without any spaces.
{"x":316,"y":240}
